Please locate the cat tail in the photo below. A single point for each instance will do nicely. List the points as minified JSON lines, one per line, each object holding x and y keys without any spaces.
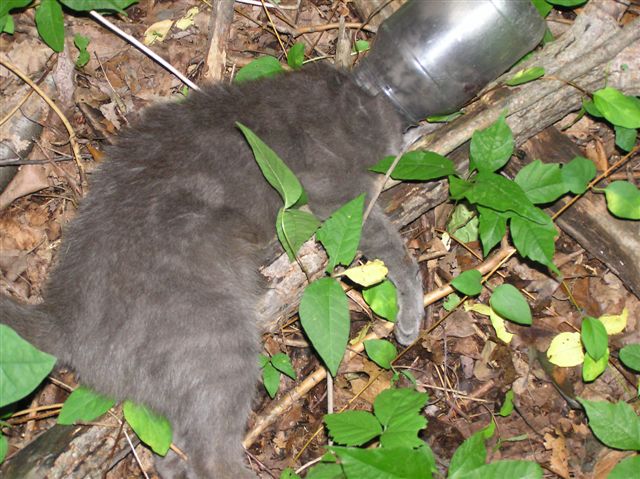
{"x":31,"y":323}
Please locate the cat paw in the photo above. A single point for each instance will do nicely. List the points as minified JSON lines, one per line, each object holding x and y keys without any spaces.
{"x":410,"y":312}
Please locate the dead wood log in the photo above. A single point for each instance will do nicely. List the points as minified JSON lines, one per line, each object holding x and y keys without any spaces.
{"x":220,"y":19}
{"x":68,"y":452}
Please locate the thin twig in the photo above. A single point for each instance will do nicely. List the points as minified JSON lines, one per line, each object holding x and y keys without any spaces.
{"x":597,"y":180}
{"x":72,"y":134}
{"x":275,"y":30}
{"x":332,"y":26}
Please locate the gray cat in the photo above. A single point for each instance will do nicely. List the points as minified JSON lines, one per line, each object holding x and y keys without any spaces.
{"x":154,"y":296}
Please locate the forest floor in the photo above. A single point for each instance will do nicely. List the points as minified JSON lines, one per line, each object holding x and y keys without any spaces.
{"x":462,"y":365}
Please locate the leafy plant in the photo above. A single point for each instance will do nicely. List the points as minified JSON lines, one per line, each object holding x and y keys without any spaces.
{"x":84,"y":405}
{"x":589,"y":347}
{"x":622,"y":111}
{"x":381,"y":352}
{"x":49,"y":16}
{"x":295,"y":56}
{"x":22,"y":366}
{"x":395,"y":422}
{"x":615,"y":424}
{"x":525,"y":76}
{"x":262,"y":67}
{"x":401,"y":454}
{"x":468,"y":283}
{"x":272,"y":368}
{"x":81,"y":44}
{"x":152,"y":429}
{"x":324,"y":310}
{"x":22,"y":369}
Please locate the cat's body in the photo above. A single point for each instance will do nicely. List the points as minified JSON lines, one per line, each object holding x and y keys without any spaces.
{"x":154,"y":297}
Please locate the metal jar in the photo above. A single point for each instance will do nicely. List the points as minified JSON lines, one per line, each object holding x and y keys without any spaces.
{"x":432,"y":56}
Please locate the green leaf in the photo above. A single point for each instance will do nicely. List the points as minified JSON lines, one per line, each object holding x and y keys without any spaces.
{"x":360,"y":46}
{"x":458,"y":187}
{"x":263,"y":360}
{"x":398,"y":410}
{"x":626,"y":468}
{"x":271,"y":379}
{"x":102,"y":5}
{"x":352,"y":428}
{"x":541,"y":182}
{"x":567,"y":3}
{"x":542,"y":6}
{"x":81,"y":44}
{"x":385,"y":463}
{"x":534,"y":241}
{"x":444,"y":118}
{"x":340,"y":233}
{"x":417,"y":166}
{"x":324,"y":314}
{"x":577,"y":174}
{"x":289,"y":473}
{"x":507,"y":406}
{"x":7,"y":26}
{"x":630,"y":356}
{"x":525,"y":76}
{"x":504,"y":469}
{"x":594,"y":337}
{"x":326,"y":471}
{"x":50,"y":24}
{"x":471,"y":455}
{"x":84,"y":405}
{"x":7,"y":5}
{"x":263,"y":67}
{"x":619,"y":109}
{"x":463,"y":223}
{"x":152,"y":429}
{"x":625,"y":137}
{"x":591,"y":108}
{"x":592,"y":368}
{"x":381,"y":352}
{"x":509,"y":303}
{"x":294,"y":228}
{"x":492,"y":227}
{"x":282,"y":363}
{"x":501,"y":194}
{"x":4,"y":447}
{"x":451,"y":302}
{"x":492,"y":147}
{"x":383,"y":300}
{"x":22,"y":367}
{"x":623,"y":200}
{"x":295,"y":56}
{"x":468,"y":282}
{"x":615,"y":424}
{"x":273,"y":168}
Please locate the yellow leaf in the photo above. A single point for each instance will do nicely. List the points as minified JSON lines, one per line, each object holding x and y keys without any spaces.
{"x":565,"y":350}
{"x":370,"y":273}
{"x":157,"y":32}
{"x":186,"y":21}
{"x":497,"y":321}
{"x":477,"y":308}
{"x":499,"y":325}
{"x":615,"y":323}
